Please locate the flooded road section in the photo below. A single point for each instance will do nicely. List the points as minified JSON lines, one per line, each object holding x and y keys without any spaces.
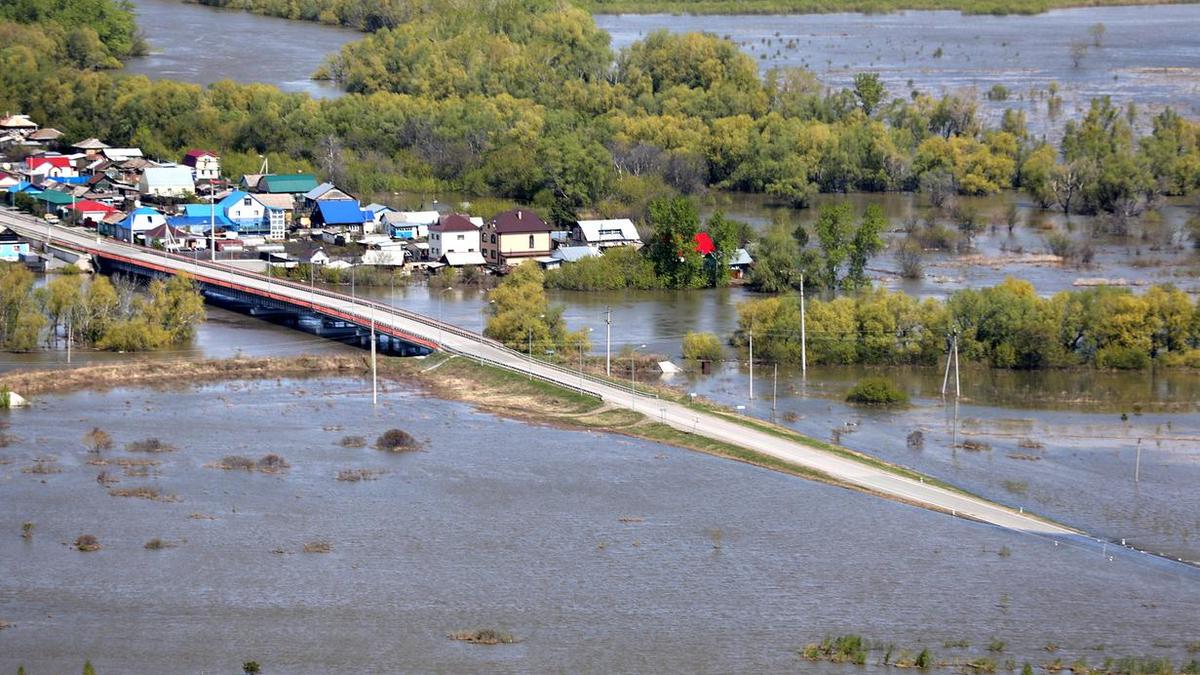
{"x":599,"y":553}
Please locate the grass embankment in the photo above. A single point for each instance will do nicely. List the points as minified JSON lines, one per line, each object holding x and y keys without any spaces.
{"x":158,"y":373}
{"x":996,"y":7}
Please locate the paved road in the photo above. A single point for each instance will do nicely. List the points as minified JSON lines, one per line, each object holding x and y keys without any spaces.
{"x":463,"y":342}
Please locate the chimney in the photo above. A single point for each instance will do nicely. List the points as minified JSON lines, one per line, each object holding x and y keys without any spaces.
{"x":518,"y":214}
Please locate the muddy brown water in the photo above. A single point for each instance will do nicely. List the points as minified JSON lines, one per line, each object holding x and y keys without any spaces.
{"x":481,"y":529}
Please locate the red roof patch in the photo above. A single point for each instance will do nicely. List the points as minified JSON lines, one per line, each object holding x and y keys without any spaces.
{"x":58,"y":161}
{"x":90,"y":206}
{"x":704,"y":244}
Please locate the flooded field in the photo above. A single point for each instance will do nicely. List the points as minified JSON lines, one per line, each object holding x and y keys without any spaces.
{"x":600,"y":554}
{"x":1147,"y":54}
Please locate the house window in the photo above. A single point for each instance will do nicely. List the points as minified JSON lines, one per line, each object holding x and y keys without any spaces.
{"x":246,"y":201}
{"x":462,"y":237}
{"x":531,"y":242}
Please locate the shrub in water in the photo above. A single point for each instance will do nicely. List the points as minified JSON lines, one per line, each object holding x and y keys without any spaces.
{"x":701,"y":347}
{"x":877,"y":391}
{"x":395,"y":440}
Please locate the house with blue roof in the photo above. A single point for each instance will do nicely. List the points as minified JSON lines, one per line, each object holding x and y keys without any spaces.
{"x":341,"y":215}
{"x":137,"y":222}
{"x":239,"y":211}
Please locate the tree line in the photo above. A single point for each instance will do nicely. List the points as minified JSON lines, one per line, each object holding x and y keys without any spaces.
{"x":1004,"y":326}
{"x":526,"y":100}
{"x":95,"y":313}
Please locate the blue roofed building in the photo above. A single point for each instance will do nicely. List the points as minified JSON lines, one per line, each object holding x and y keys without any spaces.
{"x":239,"y":211}
{"x":138,"y":221}
{"x":341,"y":215}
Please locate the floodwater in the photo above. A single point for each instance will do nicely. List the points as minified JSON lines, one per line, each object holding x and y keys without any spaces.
{"x":202,"y":45}
{"x":1148,"y":54}
{"x":600,"y":553}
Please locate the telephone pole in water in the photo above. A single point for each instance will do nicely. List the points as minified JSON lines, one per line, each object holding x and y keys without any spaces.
{"x":751,"y":364}
{"x":803,"y":336}
{"x":608,"y":341}
{"x":374,"y":373}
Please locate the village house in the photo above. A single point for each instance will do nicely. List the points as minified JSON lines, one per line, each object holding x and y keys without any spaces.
{"x":340,"y":215}
{"x":314,"y":256}
{"x":570,"y":254}
{"x":514,"y":236}
{"x":44,"y":137}
{"x":91,"y":147}
{"x":323,"y":192}
{"x":409,"y":224}
{"x":12,"y":247}
{"x":239,"y":211}
{"x":283,"y":203}
{"x":88,"y":213}
{"x":205,"y":164}
{"x":138,"y":221}
{"x":167,"y":181}
{"x":121,"y":154}
{"x":456,"y":238}
{"x":47,"y":165}
{"x":378,"y":211}
{"x":603,"y":234}
{"x":20,"y":124}
{"x":295,"y":184}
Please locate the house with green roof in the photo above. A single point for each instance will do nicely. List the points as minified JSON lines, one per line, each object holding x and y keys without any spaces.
{"x":294,"y":184}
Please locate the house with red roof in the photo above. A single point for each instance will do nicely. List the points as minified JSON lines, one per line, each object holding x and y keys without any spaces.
{"x":205,"y":164}
{"x":456,"y":234}
{"x":89,"y":213}
{"x":50,"y":166}
{"x":704,"y":244}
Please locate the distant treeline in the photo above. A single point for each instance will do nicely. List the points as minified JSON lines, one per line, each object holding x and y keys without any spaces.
{"x":525,"y":99}
{"x":1005,"y":326}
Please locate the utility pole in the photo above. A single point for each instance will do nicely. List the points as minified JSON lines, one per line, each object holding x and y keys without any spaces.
{"x":751,"y":364}
{"x":374,"y":372}
{"x":1137,"y":466}
{"x":952,"y":355}
{"x":803,"y":336}
{"x":69,"y":343}
{"x":775,"y":390}
{"x":212,"y":225}
{"x":957,"y":388}
{"x":608,"y":341}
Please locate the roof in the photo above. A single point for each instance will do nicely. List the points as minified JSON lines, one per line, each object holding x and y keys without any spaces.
{"x":377,"y":208}
{"x":89,"y":205}
{"x":201,"y":214}
{"x":704,"y":243}
{"x":459,"y":259}
{"x":342,"y":212}
{"x":47,"y":134}
{"x":252,"y":180}
{"x":280,"y":202}
{"x":168,"y":177}
{"x":741,"y":258}
{"x":291,"y":183}
{"x":519,"y":221}
{"x":307,"y":256}
{"x":54,"y":197}
{"x":233,"y":198}
{"x":200,"y":222}
{"x":90,"y":144}
{"x":129,"y":220}
{"x":166,"y":231}
{"x":17,"y":122}
{"x":454,"y":223}
{"x":59,"y":161}
{"x":122,"y":154}
{"x":574,"y":253}
{"x":326,"y":191}
{"x":411,"y":217}
{"x":613,"y":230}
{"x":192,"y":155}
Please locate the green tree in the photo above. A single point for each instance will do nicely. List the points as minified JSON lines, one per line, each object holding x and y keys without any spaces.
{"x":672,"y":247}
{"x":869,"y":90}
{"x":866,"y":243}
{"x":523,"y":319}
{"x":834,"y":230}
{"x":776,"y":255}
{"x":21,"y":321}
{"x":701,"y":347}
{"x":726,"y":237}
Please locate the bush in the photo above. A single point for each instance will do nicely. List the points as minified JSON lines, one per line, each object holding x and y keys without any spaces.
{"x":97,"y":439}
{"x":701,"y":347}
{"x":157,"y":544}
{"x":150,"y":445}
{"x":998,"y":92}
{"x":484,"y":636}
{"x":395,"y":440}
{"x":87,"y":543}
{"x":272,"y":463}
{"x":910,"y":255}
{"x":353,"y":442}
{"x":236,"y":463}
{"x":878,"y":391}
{"x":1122,"y":358}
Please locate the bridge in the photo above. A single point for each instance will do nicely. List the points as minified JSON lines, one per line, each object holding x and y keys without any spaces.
{"x":413,"y":333}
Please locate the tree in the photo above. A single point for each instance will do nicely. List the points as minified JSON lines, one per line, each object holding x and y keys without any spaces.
{"x":775,"y":257}
{"x":701,"y":347}
{"x":833,"y":228}
{"x":726,"y":237}
{"x":523,"y":319}
{"x":1078,"y":49}
{"x":1097,"y":31}
{"x":869,"y":91}
{"x":21,"y":321}
{"x":865,"y":245}
{"x":672,"y":248}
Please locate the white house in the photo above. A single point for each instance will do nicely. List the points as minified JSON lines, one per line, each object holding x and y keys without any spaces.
{"x":139,"y":221}
{"x":454,"y":234}
{"x":384,"y":255}
{"x":205,"y":164}
{"x":606,"y":233}
{"x":167,"y":181}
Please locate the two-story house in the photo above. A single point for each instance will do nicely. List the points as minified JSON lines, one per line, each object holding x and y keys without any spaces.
{"x":205,"y":164}
{"x":514,"y":236}
{"x":454,"y":239}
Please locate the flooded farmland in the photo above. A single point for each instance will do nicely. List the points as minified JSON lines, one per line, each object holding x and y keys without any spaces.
{"x":599,"y":553}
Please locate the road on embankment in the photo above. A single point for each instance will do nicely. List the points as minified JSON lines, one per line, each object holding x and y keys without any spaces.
{"x":875,"y":479}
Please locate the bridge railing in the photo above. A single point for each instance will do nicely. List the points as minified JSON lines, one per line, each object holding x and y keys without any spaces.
{"x":377,"y":306}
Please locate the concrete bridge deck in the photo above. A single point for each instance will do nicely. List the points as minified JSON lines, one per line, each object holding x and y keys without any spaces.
{"x":435,"y":335}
